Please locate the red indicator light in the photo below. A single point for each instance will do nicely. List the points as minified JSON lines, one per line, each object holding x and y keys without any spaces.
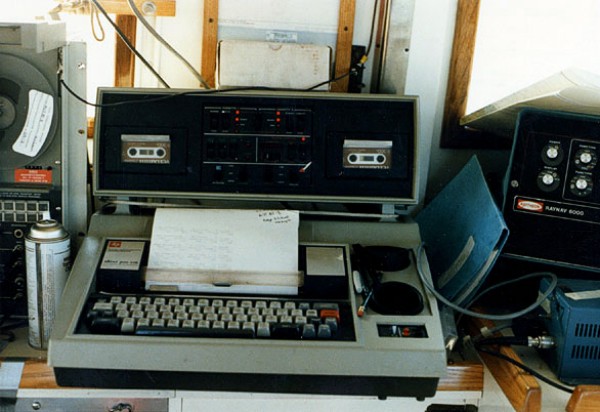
{"x":303,"y":139}
{"x":278,"y":120}
{"x":237,"y":119}
{"x":278,"y":113}
{"x":237,"y":112}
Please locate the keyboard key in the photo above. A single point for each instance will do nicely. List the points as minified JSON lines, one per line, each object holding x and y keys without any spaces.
{"x":285,"y":331}
{"x":103,"y":306}
{"x":142,"y":322}
{"x":128,"y":325}
{"x":308,"y":331}
{"x":263,"y":330}
{"x":330,"y":313}
{"x":332,"y":323}
{"x":249,"y":326}
{"x":324,"y":332}
{"x":105,"y":325}
{"x":233,"y":325}
{"x":194,"y":332}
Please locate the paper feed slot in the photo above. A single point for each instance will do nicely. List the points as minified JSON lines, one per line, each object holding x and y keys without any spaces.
{"x":223,"y":282}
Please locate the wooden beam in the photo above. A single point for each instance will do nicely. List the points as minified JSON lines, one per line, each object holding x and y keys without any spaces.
{"x":461,"y":64}
{"x":343,"y":48}
{"x":585,"y":398}
{"x":210,"y":31}
{"x":124,"y":58}
{"x":163,"y":7}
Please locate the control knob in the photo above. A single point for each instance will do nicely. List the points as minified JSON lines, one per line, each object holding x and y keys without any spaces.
{"x":581,"y":185}
{"x":586,"y":159}
{"x":548,"y":180}
{"x":552,"y":154}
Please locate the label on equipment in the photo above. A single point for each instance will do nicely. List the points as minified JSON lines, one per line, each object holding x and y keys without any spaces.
{"x":37,"y":124}
{"x":47,"y":269}
{"x":34,"y":176}
{"x":123,"y":255}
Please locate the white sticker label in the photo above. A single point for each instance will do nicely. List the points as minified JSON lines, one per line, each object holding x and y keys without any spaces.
{"x":122,"y":255}
{"x":588,"y":294}
{"x":37,"y":124}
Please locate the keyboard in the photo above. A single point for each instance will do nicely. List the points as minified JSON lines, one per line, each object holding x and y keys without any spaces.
{"x":218,"y":317}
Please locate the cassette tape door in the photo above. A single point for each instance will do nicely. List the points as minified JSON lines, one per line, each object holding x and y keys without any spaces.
{"x":42,"y":145}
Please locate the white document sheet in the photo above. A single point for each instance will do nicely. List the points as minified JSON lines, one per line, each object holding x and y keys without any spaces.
{"x":220,"y":246}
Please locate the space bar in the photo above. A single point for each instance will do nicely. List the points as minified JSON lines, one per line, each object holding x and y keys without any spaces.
{"x":194,"y":332}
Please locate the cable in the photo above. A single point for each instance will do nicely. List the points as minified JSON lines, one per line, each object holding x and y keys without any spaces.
{"x":368,"y":50}
{"x":175,"y":94}
{"x":158,"y":37}
{"x":129,"y":45}
{"x":95,"y":17}
{"x":169,"y":96}
{"x":525,"y":368}
{"x":509,"y":316}
{"x":329,"y":81}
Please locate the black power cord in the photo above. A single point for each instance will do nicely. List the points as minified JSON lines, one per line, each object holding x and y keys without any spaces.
{"x":481,"y":346}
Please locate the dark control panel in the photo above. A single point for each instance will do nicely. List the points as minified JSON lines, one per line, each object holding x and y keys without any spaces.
{"x":18,"y":211}
{"x":552,"y":202}
{"x":257,"y":146}
{"x":318,"y":147}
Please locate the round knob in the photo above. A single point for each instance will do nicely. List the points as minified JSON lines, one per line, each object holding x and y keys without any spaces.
{"x":552,"y":152}
{"x":581,"y":184}
{"x":586,"y":158}
{"x":548,"y":179}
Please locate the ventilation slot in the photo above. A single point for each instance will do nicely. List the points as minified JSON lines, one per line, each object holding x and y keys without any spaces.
{"x":587,"y":330}
{"x":585,"y":352}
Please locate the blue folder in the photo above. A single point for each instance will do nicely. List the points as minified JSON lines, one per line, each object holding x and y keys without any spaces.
{"x":463,"y":231}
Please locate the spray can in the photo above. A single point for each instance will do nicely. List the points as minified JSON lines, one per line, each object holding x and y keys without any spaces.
{"x":47,"y":259}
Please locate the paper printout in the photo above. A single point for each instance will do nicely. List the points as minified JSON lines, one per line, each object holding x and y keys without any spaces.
{"x":225,"y":241}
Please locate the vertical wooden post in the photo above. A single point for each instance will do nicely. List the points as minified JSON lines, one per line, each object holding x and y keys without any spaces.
{"x":343,"y":49}
{"x":124,"y":58}
{"x":210,"y":29}
{"x":459,"y":77}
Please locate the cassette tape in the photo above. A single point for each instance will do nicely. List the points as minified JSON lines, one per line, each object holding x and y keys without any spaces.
{"x":367,"y":154}
{"x":152,"y":149}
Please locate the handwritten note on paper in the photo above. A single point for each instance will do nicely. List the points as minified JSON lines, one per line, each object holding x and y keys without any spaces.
{"x":227,"y":241}
{"x":37,"y":124}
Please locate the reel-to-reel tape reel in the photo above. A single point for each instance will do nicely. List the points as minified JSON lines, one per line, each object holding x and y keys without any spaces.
{"x":42,"y":144}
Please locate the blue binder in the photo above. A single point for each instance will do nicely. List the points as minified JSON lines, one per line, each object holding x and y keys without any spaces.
{"x":464,"y":232}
